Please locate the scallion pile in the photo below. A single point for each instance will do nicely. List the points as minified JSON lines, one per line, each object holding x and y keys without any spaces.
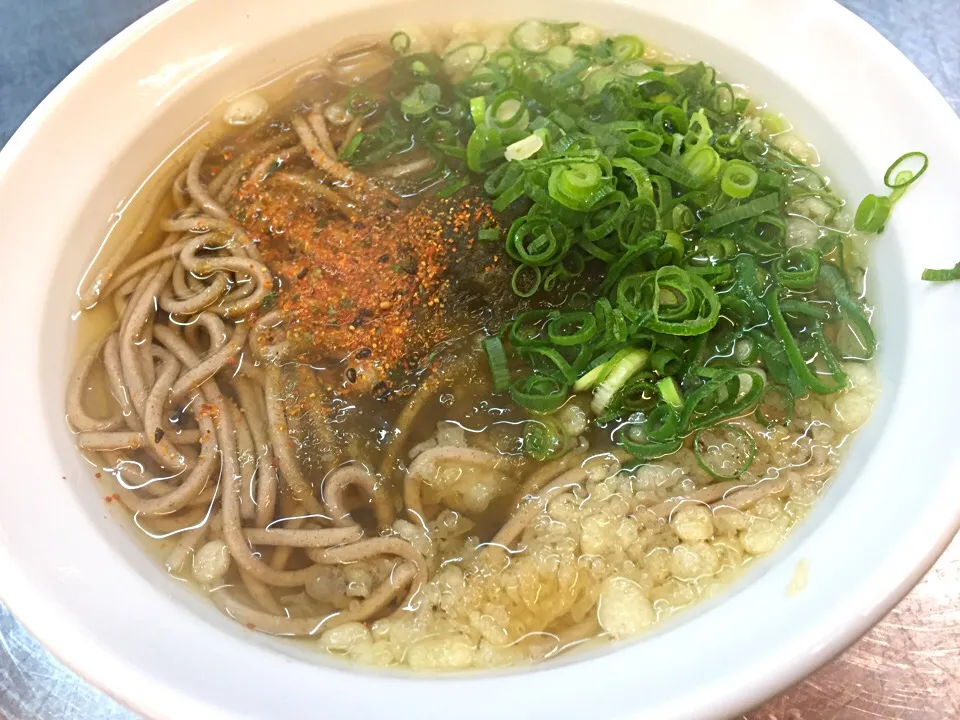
{"x":652,"y":198}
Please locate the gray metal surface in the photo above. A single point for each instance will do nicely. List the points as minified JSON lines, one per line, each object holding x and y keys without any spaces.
{"x":907,"y":667}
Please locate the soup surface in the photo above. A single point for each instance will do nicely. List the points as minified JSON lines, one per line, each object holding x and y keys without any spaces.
{"x":463,"y":348}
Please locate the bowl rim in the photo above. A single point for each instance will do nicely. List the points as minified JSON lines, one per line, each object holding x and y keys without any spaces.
{"x":67,"y":639}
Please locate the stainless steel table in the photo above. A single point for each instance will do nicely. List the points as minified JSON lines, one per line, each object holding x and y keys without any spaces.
{"x":907,"y":667}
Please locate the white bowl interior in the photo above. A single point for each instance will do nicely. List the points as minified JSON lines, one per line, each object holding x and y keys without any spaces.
{"x":83,"y":584}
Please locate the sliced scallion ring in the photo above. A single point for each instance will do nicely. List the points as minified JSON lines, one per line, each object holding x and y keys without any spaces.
{"x":704,"y":163}
{"x":538,"y":36}
{"x":626,"y":47}
{"x":897,"y":177}
{"x":400,"y":42}
{"x":598,"y":79}
{"x":539,"y":393}
{"x":572,"y":328}
{"x":543,"y":439}
{"x":526,"y":280}
{"x":739,"y":179}
{"x":560,"y":57}
{"x":798,"y":268}
{"x":507,"y":111}
{"x":464,"y":59}
{"x":655,"y":435}
{"x":872,"y":213}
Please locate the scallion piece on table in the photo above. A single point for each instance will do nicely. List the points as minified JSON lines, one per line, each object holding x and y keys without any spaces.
{"x":874,"y":210}
{"x":946,"y":275}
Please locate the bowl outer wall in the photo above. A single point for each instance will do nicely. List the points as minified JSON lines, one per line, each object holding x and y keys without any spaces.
{"x":84,"y":589}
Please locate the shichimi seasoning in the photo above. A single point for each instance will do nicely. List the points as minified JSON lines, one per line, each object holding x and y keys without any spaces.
{"x":375,"y":289}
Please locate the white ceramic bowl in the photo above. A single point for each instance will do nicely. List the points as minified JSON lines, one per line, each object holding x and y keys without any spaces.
{"x":81,"y":584}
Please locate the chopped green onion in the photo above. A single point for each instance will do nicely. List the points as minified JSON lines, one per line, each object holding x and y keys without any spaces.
{"x":714,"y":401}
{"x":606,"y":216}
{"x":670,"y":392}
{"x":527,"y":329}
{"x":577,"y":186}
{"x":561,"y":56}
{"x":822,"y":383}
{"x":360,"y":103}
{"x":626,"y":47}
{"x":699,"y":131}
{"x":797,"y":269}
{"x":462,"y":60}
{"x":538,"y":240}
{"x":573,"y":328}
{"x":537,"y":36}
{"x":631,"y":362}
{"x":756,"y":207}
{"x":590,"y":378}
{"x":948,"y":275}
{"x":400,"y":42}
{"x":739,"y":179}
{"x":421,"y":100}
{"x":508,"y":111}
{"x":903,"y":178}
{"x":643,"y":143}
{"x":478,"y":110}
{"x":803,"y":308}
{"x":639,"y":178}
{"x":682,"y":218}
{"x":665,"y":361}
{"x":671,"y":169}
{"x":851,"y":308}
{"x":538,"y":393}
{"x":634,"y":69}
{"x":350,"y":149}
{"x":484,"y":147}
{"x":543,"y":439}
{"x":418,"y":66}
{"x":671,"y":121}
{"x":651,"y":184}
{"x":595,"y":82}
{"x":656,"y":435}
{"x":525,"y":148}
{"x":872,"y":213}
{"x":703,"y":162}
{"x":670,"y":300}
{"x":497,"y":357}
{"x":874,"y":210}
{"x":526,"y":280}
{"x":482,"y":82}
